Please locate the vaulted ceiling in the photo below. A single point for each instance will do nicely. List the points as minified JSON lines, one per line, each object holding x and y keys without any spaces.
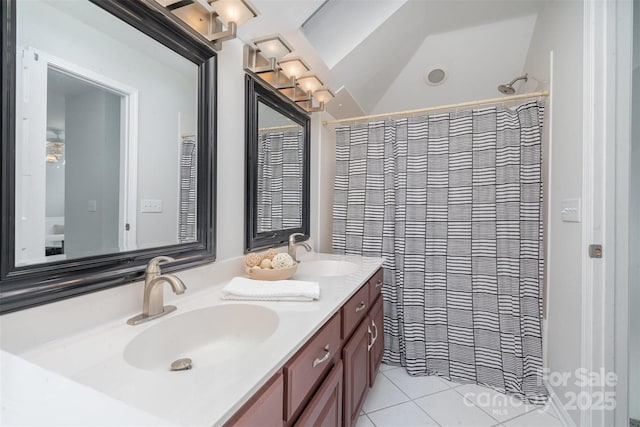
{"x":374,"y":53}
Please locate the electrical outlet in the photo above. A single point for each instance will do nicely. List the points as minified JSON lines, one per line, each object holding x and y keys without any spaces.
{"x":151,"y":206}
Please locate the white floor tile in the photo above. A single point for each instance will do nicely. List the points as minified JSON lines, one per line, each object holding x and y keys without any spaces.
{"x":500,"y":406}
{"x":364,"y":421}
{"x":534,"y":419}
{"x":404,"y":415}
{"x":384,"y":367}
{"x":415,"y":386}
{"x":383,"y":394}
{"x":448,"y":408}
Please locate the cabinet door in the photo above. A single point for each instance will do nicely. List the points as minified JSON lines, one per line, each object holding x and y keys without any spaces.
{"x":265,"y":407}
{"x":325,"y":409}
{"x":355,"y":357}
{"x":376,"y":350}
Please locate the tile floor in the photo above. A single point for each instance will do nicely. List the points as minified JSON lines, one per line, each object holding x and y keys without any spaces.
{"x":397,"y":399}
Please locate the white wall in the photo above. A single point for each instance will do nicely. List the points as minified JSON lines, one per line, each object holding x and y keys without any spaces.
{"x":471,"y":75}
{"x":634,"y":229}
{"x":54,"y":205}
{"x":325,"y":175}
{"x":92,"y":148}
{"x":166,"y":85}
{"x":559,"y":29}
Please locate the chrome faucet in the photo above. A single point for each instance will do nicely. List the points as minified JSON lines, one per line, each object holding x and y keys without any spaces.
{"x":293,"y":245}
{"x":153,"y":301}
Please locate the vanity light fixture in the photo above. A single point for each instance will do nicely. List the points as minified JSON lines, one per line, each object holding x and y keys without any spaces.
{"x":223,"y":17}
{"x":232,"y":13}
{"x":294,"y":68}
{"x":263,"y":58}
{"x":273,"y":47}
{"x":323,"y":95}
{"x":290,"y":77}
{"x":310,"y":84}
{"x":317,"y":100}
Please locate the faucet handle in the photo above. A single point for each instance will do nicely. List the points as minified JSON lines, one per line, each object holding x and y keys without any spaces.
{"x":154,"y":264}
{"x":292,"y":237}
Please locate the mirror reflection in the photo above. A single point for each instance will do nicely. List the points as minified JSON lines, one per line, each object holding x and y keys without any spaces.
{"x":280,"y":163}
{"x":109,"y":162}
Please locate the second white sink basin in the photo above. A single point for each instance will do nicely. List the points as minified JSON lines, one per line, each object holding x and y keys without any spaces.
{"x":326,"y":267}
{"x":205,"y":336}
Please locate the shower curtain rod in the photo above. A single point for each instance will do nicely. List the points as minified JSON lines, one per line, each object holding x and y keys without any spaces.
{"x":278,"y":128}
{"x":439,"y":108}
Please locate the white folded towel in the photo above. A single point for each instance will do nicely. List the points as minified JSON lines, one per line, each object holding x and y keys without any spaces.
{"x":241,"y":288}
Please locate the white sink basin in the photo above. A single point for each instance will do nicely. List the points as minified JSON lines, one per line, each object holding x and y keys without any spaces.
{"x":206,"y":336}
{"x":326,"y":267}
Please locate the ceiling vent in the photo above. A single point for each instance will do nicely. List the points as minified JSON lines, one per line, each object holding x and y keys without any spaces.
{"x":436,"y":75}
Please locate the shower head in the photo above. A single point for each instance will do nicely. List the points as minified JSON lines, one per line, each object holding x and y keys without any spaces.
{"x":508,"y":88}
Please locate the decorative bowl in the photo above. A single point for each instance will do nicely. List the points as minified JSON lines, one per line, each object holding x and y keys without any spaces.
{"x":271,"y":274}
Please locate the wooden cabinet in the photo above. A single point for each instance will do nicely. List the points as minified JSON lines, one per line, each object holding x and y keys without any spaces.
{"x":306,"y":370}
{"x":327,"y":381}
{"x":375,"y":286}
{"x":265,"y":407}
{"x":376,"y":347}
{"x":355,"y":357}
{"x":325,"y":409}
{"x":355,"y":310}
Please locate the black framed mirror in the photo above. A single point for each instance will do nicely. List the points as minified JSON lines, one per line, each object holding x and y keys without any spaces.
{"x":277,"y":167}
{"x":108,"y":146}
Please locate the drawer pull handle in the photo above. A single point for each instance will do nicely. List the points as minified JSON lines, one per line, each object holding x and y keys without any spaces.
{"x":370,"y":344}
{"x":324,"y":358}
{"x":379,"y":284}
{"x":375,"y":327}
{"x":361,"y":307}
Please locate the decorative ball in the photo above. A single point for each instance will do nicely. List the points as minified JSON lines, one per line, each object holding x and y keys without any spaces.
{"x":252,"y":259}
{"x":281,"y":261}
{"x":270,"y":253}
{"x":266,"y":263}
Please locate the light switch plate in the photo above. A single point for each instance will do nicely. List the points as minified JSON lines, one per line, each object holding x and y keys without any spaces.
{"x":151,"y":206}
{"x":570,"y":210}
{"x":93,"y":206}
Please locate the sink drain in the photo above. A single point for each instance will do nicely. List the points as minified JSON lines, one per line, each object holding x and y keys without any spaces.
{"x":182,"y":364}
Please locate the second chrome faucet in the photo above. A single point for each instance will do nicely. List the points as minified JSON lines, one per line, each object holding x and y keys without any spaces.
{"x":293,"y":245}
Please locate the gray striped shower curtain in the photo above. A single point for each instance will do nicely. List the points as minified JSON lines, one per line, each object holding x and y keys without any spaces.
{"x":453,"y":202}
{"x":280,"y":180}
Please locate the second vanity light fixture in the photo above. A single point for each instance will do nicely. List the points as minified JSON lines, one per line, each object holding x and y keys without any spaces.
{"x":290,"y":76}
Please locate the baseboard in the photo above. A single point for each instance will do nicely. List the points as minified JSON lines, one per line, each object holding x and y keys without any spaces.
{"x":558,"y":407}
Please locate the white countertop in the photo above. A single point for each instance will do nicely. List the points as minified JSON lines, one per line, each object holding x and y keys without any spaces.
{"x":205,"y":395}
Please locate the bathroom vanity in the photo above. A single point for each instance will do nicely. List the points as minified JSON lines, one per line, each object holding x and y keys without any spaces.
{"x":327,"y":380}
{"x":254,"y":362}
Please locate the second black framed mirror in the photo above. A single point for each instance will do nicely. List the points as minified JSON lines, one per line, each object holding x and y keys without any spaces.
{"x":277,"y":166}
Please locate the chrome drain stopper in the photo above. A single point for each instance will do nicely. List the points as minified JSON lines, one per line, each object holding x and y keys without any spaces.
{"x":183,"y":364}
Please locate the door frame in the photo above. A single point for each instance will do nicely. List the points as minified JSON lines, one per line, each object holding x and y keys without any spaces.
{"x":128,"y":184}
{"x":608,"y":28}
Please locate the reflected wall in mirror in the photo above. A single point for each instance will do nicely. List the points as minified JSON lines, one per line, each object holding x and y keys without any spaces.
{"x":99,"y":164}
{"x":277,"y":141}
{"x":108,"y":145}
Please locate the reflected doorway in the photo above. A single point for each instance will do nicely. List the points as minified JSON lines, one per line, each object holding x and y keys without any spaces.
{"x":78,"y":185}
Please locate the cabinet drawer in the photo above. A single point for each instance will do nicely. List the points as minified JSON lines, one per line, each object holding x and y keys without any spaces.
{"x":264,"y":408}
{"x":325,"y":409}
{"x":355,"y":310}
{"x":375,"y":285}
{"x":306,"y":369}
